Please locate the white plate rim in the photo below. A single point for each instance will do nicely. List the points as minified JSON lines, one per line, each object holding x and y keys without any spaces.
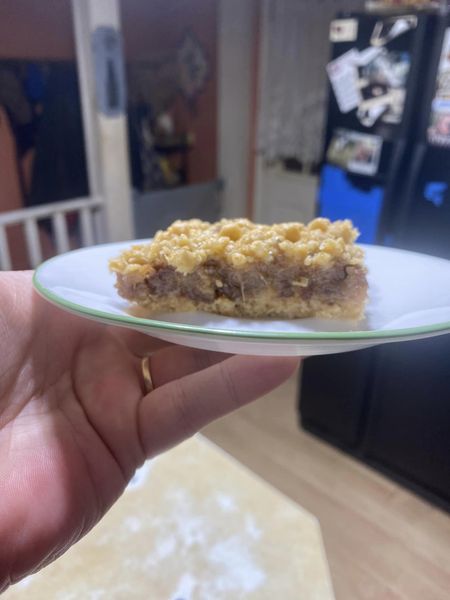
{"x":130,"y":321}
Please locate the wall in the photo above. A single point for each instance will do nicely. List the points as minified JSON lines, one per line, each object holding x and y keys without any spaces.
{"x":43,"y":30}
{"x":278,"y":195}
{"x":282,"y":195}
{"x":36,"y":29}
{"x":237,"y":34}
{"x":152,"y":27}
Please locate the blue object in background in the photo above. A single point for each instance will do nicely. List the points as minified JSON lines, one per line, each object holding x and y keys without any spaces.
{"x":34,"y":83}
{"x":434,"y":192}
{"x":340,"y":199}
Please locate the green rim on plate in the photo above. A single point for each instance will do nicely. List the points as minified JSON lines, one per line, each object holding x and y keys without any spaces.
{"x":128,"y":320}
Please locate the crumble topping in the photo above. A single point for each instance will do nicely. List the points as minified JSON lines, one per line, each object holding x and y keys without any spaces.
{"x":239,"y":243}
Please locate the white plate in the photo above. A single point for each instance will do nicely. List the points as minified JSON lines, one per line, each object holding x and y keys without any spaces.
{"x":409,"y":298}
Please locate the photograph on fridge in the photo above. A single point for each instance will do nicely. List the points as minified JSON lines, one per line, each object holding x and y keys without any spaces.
{"x":355,"y":152}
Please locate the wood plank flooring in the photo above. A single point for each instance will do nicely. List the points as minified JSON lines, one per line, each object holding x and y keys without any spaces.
{"x":382,"y":542}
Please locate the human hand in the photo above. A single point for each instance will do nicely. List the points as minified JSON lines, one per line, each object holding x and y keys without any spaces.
{"x":76,"y":422}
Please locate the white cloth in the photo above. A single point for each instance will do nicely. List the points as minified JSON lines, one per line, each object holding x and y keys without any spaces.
{"x":293,"y":85}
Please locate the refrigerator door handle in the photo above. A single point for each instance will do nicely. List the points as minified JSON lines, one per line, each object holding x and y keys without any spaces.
{"x":412,"y":179}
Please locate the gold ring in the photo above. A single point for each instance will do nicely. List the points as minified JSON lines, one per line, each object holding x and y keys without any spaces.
{"x":148,"y":381}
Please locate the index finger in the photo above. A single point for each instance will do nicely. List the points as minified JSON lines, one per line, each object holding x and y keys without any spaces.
{"x":177,"y":410}
{"x":138,"y":343}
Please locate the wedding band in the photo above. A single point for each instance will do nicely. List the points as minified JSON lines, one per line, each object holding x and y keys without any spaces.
{"x":148,"y":381}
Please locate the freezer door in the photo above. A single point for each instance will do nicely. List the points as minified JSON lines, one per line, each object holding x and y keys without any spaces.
{"x":424,"y":222}
{"x":376,"y":72}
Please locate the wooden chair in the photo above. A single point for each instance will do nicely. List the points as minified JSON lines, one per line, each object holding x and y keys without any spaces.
{"x":90,"y":228}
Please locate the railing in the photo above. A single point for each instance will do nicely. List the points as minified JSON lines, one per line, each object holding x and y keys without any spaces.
{"x":29,"y":217}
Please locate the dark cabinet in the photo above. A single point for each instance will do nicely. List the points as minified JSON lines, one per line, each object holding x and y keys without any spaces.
{"x":334,"y":396}
{"x":388,"y":406}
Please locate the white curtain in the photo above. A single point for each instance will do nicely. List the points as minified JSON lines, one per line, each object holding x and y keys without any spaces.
{"x":295,"y":51}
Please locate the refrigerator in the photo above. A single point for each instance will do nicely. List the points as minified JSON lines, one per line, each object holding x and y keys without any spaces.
{"x":389,"y":405}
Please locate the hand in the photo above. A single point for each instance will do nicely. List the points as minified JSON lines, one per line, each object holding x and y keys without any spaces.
{"x":75,"y":421}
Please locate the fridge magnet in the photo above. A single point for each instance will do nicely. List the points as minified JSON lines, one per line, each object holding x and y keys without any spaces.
{"x":343,"y":75}
{"x":443,"y":79}
{"x":193,"y":68}
{"x":372,"y":81}
{"x":355,"y":152}
{"x":435,"y":192}
{"x":387,"y":30}
{"x":395,"y":5}
{"x":382,"y":80}
{"x":344,"y":30}
{"x":439,"y":127}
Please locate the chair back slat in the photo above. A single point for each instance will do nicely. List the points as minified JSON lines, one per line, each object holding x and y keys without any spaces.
{"x":60,"y":231}
{"x":33,"y":242}
{"x":5,"y":258}
{"x":29,"y":218}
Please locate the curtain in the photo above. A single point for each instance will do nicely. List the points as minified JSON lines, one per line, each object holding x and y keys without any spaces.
{"x":293,"y":84}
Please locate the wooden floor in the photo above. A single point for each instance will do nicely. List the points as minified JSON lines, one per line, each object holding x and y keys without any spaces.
{"x":382,"y":542}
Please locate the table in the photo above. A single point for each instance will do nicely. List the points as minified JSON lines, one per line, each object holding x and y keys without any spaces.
{"x":192,"y":525}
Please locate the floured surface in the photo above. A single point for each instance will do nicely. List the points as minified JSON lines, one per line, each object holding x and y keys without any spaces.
{"x":192,"y":525}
